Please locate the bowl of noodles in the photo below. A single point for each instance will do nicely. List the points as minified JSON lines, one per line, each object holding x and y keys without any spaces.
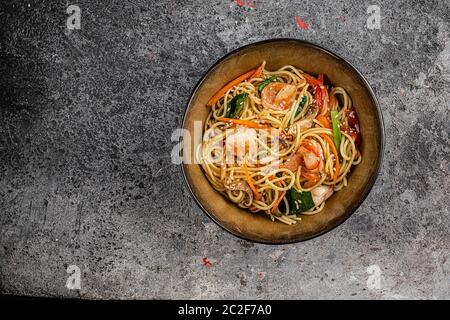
{"x":282,"y":141}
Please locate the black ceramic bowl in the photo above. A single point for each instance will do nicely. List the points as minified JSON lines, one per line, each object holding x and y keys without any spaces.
{"x":314,"y":60}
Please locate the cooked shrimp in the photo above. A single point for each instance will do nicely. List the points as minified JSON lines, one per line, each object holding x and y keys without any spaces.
{"x":320,"y":194}
{"x":278,"y":96}
{"x":310,"y":158}
{"x":292,"y":163}
{"x":312,"y":154}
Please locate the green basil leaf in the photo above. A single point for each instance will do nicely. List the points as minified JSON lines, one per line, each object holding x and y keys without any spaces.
{"x":263,"y":84}
{"x":236,"y":105}
{"x":301,"y":106}
{"x":298,"y":201}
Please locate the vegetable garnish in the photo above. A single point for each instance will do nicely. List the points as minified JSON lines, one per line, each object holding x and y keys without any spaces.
{"x":320,"y":78}
{"x":263,"y":84}
{"x":323,"y":120}
{"x":336,"y":157}
{"x":321,"y":93}
{"x":283,"y":193}
{"x":236,"y":105}
{"x":258,"y":71}
{"x":337,"y":135}
{"x":228,"y":86}
{"x":250,"y":183}
{"x":352,"y":127}
{"x":299,"y":201}
{"x":278,"y":201}
{"x":312,"y":80}
{"x":300,"y":107}
{"x":246,"y":123}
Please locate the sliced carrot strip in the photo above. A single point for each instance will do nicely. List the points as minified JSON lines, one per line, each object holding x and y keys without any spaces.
{"x":336,"y":158}
{"x":324,"y":121}
{"x":250,"y":183}
{"x":280,"y":198}
{"x":229,"y":85}
{"x":257,"y":72}
{"x":246,"y":123}
{"x":278,"y":201}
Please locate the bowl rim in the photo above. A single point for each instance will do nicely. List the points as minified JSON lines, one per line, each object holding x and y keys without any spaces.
{"x":381,"y":141}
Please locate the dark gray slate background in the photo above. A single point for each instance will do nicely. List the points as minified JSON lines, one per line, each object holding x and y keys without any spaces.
{"x":86,"y":178}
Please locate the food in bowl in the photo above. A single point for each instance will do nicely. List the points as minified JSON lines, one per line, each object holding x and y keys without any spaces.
{"x":280,"y":142}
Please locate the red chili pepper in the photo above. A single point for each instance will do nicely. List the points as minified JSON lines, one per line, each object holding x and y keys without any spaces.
{"x":353,"y":125}
{"x":320,"y":78}
{"x":311,"y":80}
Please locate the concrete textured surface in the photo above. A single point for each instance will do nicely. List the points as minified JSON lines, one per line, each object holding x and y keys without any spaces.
{"x":86,"y":178}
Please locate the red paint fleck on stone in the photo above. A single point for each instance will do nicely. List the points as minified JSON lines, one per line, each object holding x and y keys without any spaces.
{"x":342,"y":18}
{"x":250,"y":4}
{"x":301,"y":24}
{"x":206,"y":262}
{"x":261,"y":275}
